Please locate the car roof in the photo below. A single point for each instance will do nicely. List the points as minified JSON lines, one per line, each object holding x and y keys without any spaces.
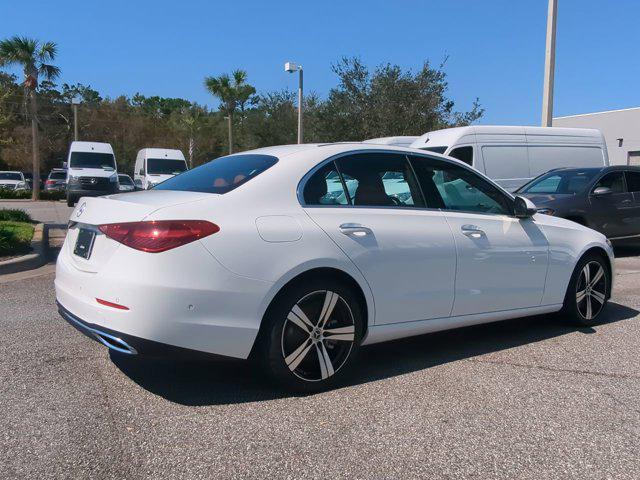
{"x":609,"y":168}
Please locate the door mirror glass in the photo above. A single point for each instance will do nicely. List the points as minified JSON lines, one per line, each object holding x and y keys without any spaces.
{"x":64,"y":164}
{"x":600,"y":191}
{"x":523,"y":207}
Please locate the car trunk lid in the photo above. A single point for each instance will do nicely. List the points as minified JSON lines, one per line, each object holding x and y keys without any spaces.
{"x":90,"y":250}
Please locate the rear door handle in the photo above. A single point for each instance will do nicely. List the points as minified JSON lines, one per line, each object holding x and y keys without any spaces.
{"x":472,"y":231}
{"x":355,"y":229}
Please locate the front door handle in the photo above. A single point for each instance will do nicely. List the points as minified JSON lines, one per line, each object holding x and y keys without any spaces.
{"x":472,"y":231}
{"x":355,"y":229}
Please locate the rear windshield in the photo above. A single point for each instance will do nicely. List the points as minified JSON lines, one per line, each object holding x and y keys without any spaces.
{"x":165,"y":166}
{"x":125,"y":180}
{"x":436,"y":149}
{"x":561,"y":182}
{"x":220,"y":175}
{"x":58,"y":175}
{"x":92,"y":160}
{"x":10,"y":176}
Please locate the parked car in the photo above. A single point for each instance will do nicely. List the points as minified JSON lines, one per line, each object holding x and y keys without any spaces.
{"x":12,"y":180}
{"x":126,"y":184}
{"x":606,"y":199}
{"x":91,"y":171}
{"x":511,"y":155}
{"x":263,"y":252}
{"x":56,"y":181}
{"x":155,"y":165}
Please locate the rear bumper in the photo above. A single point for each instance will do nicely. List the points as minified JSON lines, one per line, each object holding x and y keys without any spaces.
{"x":181,"y":298}
{"x":128,"y":344}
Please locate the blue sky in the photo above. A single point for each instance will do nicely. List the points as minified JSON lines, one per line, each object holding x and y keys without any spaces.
{"x":495,"y":47}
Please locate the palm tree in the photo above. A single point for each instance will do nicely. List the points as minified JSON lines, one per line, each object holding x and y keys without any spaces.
{"x":33,"y":57}
{"x":233,"y":93}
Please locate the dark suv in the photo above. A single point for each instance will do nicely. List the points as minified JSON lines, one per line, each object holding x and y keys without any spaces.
{"x":606,"y":199}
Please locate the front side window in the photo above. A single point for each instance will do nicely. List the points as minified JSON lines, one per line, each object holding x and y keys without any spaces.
{"x":452,"y":187}
{"x":92,"y":160}
{"x":614,"y":181}
{"x":165,"y":166}
{"x":633,"y":181}
{"x":380,"y":180}
{"x":463,"y":153}
{"x":220,"y":175}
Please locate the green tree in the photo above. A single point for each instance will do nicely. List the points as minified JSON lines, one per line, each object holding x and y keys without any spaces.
{"x":233,"y":93}
{"x":34,"y":58}
{"x":387,"y":102}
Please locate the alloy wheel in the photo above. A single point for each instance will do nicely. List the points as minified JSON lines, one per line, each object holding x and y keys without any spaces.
{"x":318,"y":336}
{"x":591,"y":290}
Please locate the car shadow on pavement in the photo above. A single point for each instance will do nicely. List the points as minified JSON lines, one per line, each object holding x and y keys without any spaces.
{"x":216,"y":382}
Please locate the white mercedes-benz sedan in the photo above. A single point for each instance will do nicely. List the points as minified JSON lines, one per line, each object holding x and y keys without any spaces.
{"x":298,"y":255}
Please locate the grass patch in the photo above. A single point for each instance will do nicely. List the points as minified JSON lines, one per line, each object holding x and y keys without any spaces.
{"x":15,"y":237}
{"x":14,"y":215}
{"x":26,"y":195}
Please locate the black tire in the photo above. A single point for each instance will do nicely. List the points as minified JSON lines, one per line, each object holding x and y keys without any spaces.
{"x":583,"y":305}
{"x":281,"y":337}
{"x":70,"y":201}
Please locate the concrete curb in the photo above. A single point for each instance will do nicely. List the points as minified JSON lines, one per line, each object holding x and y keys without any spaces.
{"x":35,"y":259}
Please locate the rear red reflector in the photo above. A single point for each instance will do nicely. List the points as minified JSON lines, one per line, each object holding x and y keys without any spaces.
{"x":111,"y":304}
{"x":158,"y":235}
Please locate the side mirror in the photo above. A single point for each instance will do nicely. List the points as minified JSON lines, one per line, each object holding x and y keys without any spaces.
{"x":600,"y":191}
{"x":524,"y":208}
{"x":65,"y":165}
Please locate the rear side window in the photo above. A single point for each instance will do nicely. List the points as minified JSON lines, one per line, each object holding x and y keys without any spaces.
{"x":220,"y":175}
{"x":380,"y":180}
{"x":325,"y":188}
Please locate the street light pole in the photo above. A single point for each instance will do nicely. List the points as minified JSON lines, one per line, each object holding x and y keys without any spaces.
{"x":292,"y":67}
{"x":75,"y":101}
{"x":549,"y":65}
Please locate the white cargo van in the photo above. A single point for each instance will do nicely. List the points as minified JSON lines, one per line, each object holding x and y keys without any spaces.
{"x":91,"y":171}
{"x":155,"y":165}
{"x":513,"y":155}
{"x":400,"y":141}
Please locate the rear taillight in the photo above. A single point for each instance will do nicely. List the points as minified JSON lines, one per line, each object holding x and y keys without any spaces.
{"x":159,"y":235}
{"x":49,"y":182}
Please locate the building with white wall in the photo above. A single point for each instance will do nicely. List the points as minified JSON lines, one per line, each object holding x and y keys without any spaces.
{"x":621,"y":130}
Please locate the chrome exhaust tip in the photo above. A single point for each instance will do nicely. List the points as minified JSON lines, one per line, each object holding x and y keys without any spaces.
{"x":113,"y":343}
{"x":108,"y":340}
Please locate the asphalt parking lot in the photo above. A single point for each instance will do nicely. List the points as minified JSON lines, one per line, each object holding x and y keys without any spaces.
{"x":527,"y":399}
